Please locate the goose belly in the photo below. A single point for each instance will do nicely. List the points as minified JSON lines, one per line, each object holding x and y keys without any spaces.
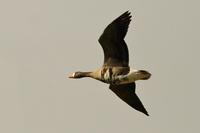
{"x":107,"y":76}
{"x":124,"y":79}
{"x":111,"y":77}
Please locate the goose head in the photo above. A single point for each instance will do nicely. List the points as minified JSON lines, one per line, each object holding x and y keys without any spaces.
{"x":79,"y":75}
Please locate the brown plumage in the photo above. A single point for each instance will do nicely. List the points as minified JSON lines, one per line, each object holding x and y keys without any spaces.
{"x":115,"y":70}
{"x":113,"y":44}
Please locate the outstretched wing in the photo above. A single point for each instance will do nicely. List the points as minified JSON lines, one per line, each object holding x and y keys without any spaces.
{"x":127,"y":93}
{"x":113,"y":44}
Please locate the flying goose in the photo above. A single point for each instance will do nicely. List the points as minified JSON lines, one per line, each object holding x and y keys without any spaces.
{"x":115,"y":70}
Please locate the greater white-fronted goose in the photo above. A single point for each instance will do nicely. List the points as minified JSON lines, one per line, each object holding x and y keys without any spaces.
{"x":115,"y":70}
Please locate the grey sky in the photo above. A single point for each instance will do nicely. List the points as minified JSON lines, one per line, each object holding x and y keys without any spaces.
{"x":41,"y":41}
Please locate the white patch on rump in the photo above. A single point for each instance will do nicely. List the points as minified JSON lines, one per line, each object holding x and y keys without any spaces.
{"x":128,"y":78}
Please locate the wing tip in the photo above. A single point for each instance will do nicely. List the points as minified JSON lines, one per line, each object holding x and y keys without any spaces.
{"x":128,"y":13}
{"x":126,"y":16}
{"x":146,"y":113}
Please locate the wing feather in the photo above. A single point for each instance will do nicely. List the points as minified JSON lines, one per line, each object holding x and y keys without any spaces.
{"x":113,"y":44}
{"x":127,"y":93}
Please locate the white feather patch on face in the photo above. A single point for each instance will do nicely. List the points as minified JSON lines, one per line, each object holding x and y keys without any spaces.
{"x":73,"y":74}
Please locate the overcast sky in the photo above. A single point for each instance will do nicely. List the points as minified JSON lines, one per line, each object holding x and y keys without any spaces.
{"x":43,"y":40}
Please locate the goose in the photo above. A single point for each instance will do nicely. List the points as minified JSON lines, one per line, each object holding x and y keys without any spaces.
{"x":115,"y":70}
